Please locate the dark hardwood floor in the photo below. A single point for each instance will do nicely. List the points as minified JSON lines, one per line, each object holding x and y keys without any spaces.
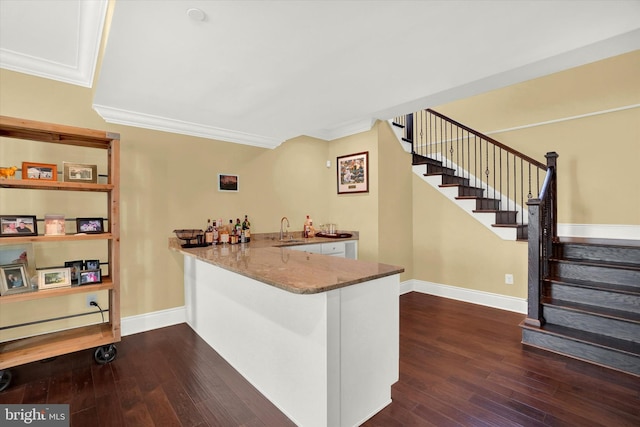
{"x":460,"y":364}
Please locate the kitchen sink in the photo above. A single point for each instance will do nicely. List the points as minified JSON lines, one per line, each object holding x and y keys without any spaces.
{"x":291,"y":241}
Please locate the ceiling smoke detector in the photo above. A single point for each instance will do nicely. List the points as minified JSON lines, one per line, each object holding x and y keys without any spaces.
{"x":196,"y":14}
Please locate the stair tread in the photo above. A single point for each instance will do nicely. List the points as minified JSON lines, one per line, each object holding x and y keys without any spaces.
{"x":612,"y":287}
{"x":509,"y":225}
{"x":397,"y":124}
{"x":589,"y":337}
{"x":593,"y":309}
{"x":597,"y":263}
{"x":589,"y":241}
{"x":478,"y":198}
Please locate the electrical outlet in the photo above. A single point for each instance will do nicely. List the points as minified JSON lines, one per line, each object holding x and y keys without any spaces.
{"x":508,"y":279}
{"x":91,"y":298}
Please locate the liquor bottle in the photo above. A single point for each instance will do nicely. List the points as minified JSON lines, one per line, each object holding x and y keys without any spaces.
{"x":233,"y":237}
{"x":208,"y":234}
{"x":238,"y":227}
{"x":307,"y":227}
{"x":224,"y":234}
{"x":246,"y":226}
{"x":216,"y":234}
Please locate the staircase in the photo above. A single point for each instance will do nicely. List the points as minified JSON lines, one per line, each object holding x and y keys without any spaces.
{"x":591,"y":304}
{"x":447,"y":178}
{"x":486,"y":178}
{"x":583,"y":294}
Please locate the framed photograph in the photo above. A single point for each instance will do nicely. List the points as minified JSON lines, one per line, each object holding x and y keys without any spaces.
{"x":77,"y":172}
{"x":18,"y":225}
{"x":76,"y":267}
{"x":88,"y":277}
{"x":14,"y":279}
{"x":19,"y":254}
{"x":92,"y":264}
{"x":353,"y":173}
{"x":42,"y":171}
{"x":54,"y":225}
{"x":90,"y":225}
{"x":54,"y":278}
{"x":228,"y":182}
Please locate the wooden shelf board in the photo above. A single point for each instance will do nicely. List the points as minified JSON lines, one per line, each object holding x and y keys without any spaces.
{"x":67,"y":237}
{"x":34,"y":184}
{"x":57,"y":292}
{"x":39,"y":347}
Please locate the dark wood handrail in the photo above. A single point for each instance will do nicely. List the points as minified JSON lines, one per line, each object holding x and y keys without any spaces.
{"x":488,"y":138}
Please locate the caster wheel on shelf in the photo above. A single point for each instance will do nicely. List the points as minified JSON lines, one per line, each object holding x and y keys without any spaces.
{"x":5,"y":379}
{"x":105,"y":354}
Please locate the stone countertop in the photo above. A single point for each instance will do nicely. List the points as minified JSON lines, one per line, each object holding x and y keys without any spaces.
{"x":268,"y":260}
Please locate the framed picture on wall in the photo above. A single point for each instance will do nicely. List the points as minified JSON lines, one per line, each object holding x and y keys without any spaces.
{"x":353,"y":173}
{"x":228,"y":182}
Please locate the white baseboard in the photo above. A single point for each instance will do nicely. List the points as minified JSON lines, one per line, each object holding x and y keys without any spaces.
{"x":503,"y":302}
{"x":406,"y":287}
{"x":600,"y":231}
{"x":154,"y":320}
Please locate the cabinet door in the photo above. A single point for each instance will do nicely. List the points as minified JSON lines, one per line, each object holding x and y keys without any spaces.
{"x":315,"y":249}
{"x":333,"y":248}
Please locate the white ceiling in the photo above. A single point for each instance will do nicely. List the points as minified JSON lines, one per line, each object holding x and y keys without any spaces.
{"x":262,"y":72}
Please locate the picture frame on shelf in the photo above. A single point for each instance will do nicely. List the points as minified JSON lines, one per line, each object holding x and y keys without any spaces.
{"x":54,"y":278}
{"x":14,"y":279}
{"x":92,"y":264}
{"x":353,"y":173}
{"x":40,"y":171}
{"x":18,"y":225}
{"x":228,"y":182}
{"x":19,"y":254}
{"x":54,"y":225}
{"x":76,"y":267}
{"x":89,"y":277}
{"x":90,"y":225}
{"x":79,"y":172}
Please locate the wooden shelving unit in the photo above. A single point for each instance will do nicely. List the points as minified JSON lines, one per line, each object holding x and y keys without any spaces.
{"x":104,"y":335}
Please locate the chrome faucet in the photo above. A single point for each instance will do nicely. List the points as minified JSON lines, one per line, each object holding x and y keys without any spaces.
{"x":284,"y":218}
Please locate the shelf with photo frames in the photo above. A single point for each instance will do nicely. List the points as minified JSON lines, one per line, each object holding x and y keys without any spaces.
{"x":103,"y":335}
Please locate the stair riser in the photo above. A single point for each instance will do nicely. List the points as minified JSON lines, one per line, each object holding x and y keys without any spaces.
{"x":470,"y":191}
{"x":523,"y":232}
{"x":592,"y":323}
{"x":434,"y":169}
{"x":449,"y":179}
{"x":504,"y":217}
{"x":487,"y":204}
{"x":603,"y":356}
{"x":596,"y":273}
{"x":613,"y":300}
{"x":628,"y":255}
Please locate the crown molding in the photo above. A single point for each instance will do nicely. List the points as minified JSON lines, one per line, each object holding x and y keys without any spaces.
{"x":89,"y":26}
{"x":129,"y":118}
{"x":343,"y":130}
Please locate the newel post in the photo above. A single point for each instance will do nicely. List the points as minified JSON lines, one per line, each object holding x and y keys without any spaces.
{"x":534,"y":276}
